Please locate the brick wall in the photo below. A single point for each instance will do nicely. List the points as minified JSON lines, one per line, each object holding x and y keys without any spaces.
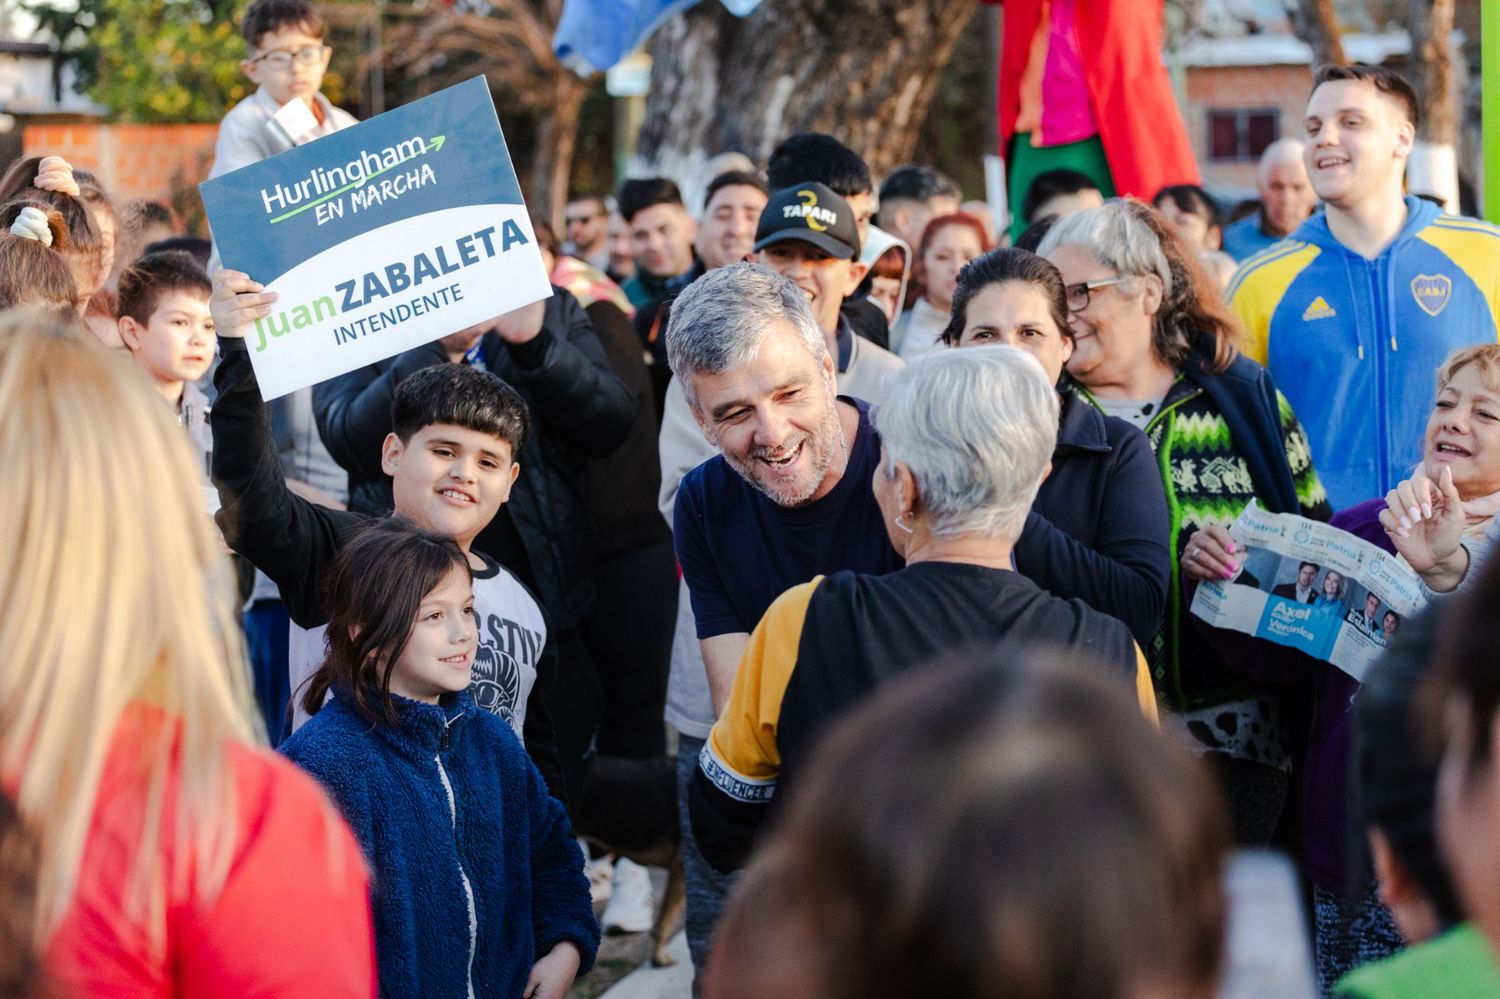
{"x":155,"y":162}
{"x":1241,"y":88}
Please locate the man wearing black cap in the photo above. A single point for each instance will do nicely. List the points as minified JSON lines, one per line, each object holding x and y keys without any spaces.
{"x":808,"y":234}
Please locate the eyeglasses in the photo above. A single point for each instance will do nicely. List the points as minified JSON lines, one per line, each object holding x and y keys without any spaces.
{"x":311,"y":55}
{"x":1079,"y":294}
{"x":582,"y":219}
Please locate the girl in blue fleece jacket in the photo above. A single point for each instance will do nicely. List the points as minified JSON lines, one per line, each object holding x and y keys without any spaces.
{"x":478,"y":886}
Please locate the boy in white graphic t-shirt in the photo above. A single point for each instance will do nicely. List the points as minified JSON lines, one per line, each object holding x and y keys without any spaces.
{"x":452,"y":465}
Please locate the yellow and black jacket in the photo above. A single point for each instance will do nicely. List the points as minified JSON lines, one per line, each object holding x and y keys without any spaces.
{"x":824,"y":645}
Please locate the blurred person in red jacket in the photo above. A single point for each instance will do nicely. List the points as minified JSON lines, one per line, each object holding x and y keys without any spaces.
{"x":177,"y":856}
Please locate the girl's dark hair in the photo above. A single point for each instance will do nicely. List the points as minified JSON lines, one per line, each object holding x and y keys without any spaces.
{"x":1395,"y":770}
{"x":918,"y":286}
{"x":32,"y":273}
{"x":997,"y":267}
{"x":934,"y":847}
{"x":375,"y":588}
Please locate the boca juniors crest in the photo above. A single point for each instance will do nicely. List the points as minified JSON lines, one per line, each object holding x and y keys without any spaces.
{"x":1432,"y":292}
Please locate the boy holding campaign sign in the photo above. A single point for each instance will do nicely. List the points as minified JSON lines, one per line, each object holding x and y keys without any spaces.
{"x":451,"y":457}
{"x":286,"y":59}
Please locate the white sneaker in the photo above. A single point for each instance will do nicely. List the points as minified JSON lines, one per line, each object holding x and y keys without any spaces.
{"x":601,"y":872}
{"x":631,"y":907}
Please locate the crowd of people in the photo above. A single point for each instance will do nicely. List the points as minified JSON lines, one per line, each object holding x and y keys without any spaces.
{"x":858,"y":534}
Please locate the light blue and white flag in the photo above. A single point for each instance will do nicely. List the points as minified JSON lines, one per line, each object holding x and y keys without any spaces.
{"x":593,"y":35}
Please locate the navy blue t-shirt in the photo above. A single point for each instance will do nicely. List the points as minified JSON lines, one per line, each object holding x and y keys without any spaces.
{"x":739,"y":551}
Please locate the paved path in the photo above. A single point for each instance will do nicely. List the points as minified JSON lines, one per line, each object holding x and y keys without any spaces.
{"x":647,"y":982}
{"x":623,"y":968}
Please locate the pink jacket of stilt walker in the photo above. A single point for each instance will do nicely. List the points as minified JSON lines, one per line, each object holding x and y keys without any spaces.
{"x":1119,"y":42}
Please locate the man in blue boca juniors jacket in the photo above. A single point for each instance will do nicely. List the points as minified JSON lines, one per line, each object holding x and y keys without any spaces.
{"x":1355,"y":311}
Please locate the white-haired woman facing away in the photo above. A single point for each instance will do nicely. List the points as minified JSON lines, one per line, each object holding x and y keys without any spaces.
{"x":177,"y":856}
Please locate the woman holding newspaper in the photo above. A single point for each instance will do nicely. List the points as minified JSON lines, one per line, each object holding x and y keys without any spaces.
{"x":1432,"y":519}
{"x":1154,"y":345}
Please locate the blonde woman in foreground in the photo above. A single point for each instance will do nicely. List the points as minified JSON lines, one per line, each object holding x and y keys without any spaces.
{"x":177,"y":856}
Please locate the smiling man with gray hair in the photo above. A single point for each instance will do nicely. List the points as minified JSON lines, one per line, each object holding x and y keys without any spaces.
{"x":789,"y":494}
{"x":786,"y":497}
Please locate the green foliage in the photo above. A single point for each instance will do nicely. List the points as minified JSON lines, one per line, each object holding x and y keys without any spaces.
{"x":153,"y":61}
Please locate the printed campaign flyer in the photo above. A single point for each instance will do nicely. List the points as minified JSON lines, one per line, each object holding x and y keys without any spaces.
{"x":378,"y":238}
{"x":1312,"y":587}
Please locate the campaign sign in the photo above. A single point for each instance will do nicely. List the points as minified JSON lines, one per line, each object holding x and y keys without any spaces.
{"x":378,"y":238}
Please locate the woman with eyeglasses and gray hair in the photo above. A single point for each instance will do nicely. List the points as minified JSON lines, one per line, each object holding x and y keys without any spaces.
{"x":1155,"y":345}
{"x":966,"y":439}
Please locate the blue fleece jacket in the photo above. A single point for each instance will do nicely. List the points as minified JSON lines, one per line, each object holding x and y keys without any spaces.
{"x":475,"y":870}
{"x":1355,"y":344}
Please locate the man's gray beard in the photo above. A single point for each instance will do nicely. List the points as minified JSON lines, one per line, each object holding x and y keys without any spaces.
{"x":823,"y":448}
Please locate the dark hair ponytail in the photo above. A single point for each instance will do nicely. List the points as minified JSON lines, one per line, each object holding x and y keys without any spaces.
{"x":375,"y":588}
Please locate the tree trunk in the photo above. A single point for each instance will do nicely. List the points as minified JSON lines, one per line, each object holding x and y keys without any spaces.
{"x":1433,"y":167}
{"x":1320,"y":23}
{"x":510,"y":41}
{"x":861,"y":70}
{"x":556,"y":138}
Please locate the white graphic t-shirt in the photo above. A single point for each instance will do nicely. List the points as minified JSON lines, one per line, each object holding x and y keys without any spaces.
{"x":512,"y":635}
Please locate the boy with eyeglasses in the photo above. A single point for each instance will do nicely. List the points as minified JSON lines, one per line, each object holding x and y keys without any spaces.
{"x":287,"y":60}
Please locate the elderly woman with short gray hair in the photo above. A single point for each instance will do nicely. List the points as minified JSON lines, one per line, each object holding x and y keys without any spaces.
{"x":1155,"y":345}
{"x":967,"y":437}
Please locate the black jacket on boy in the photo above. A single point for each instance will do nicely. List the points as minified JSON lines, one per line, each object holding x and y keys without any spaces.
{"x":579,"y":409}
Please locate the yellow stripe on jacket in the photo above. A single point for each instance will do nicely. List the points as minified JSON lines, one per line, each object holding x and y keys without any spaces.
{"x":743,"y":740}
{"x":1258,"y":287}
{"x":1145,"y":690}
